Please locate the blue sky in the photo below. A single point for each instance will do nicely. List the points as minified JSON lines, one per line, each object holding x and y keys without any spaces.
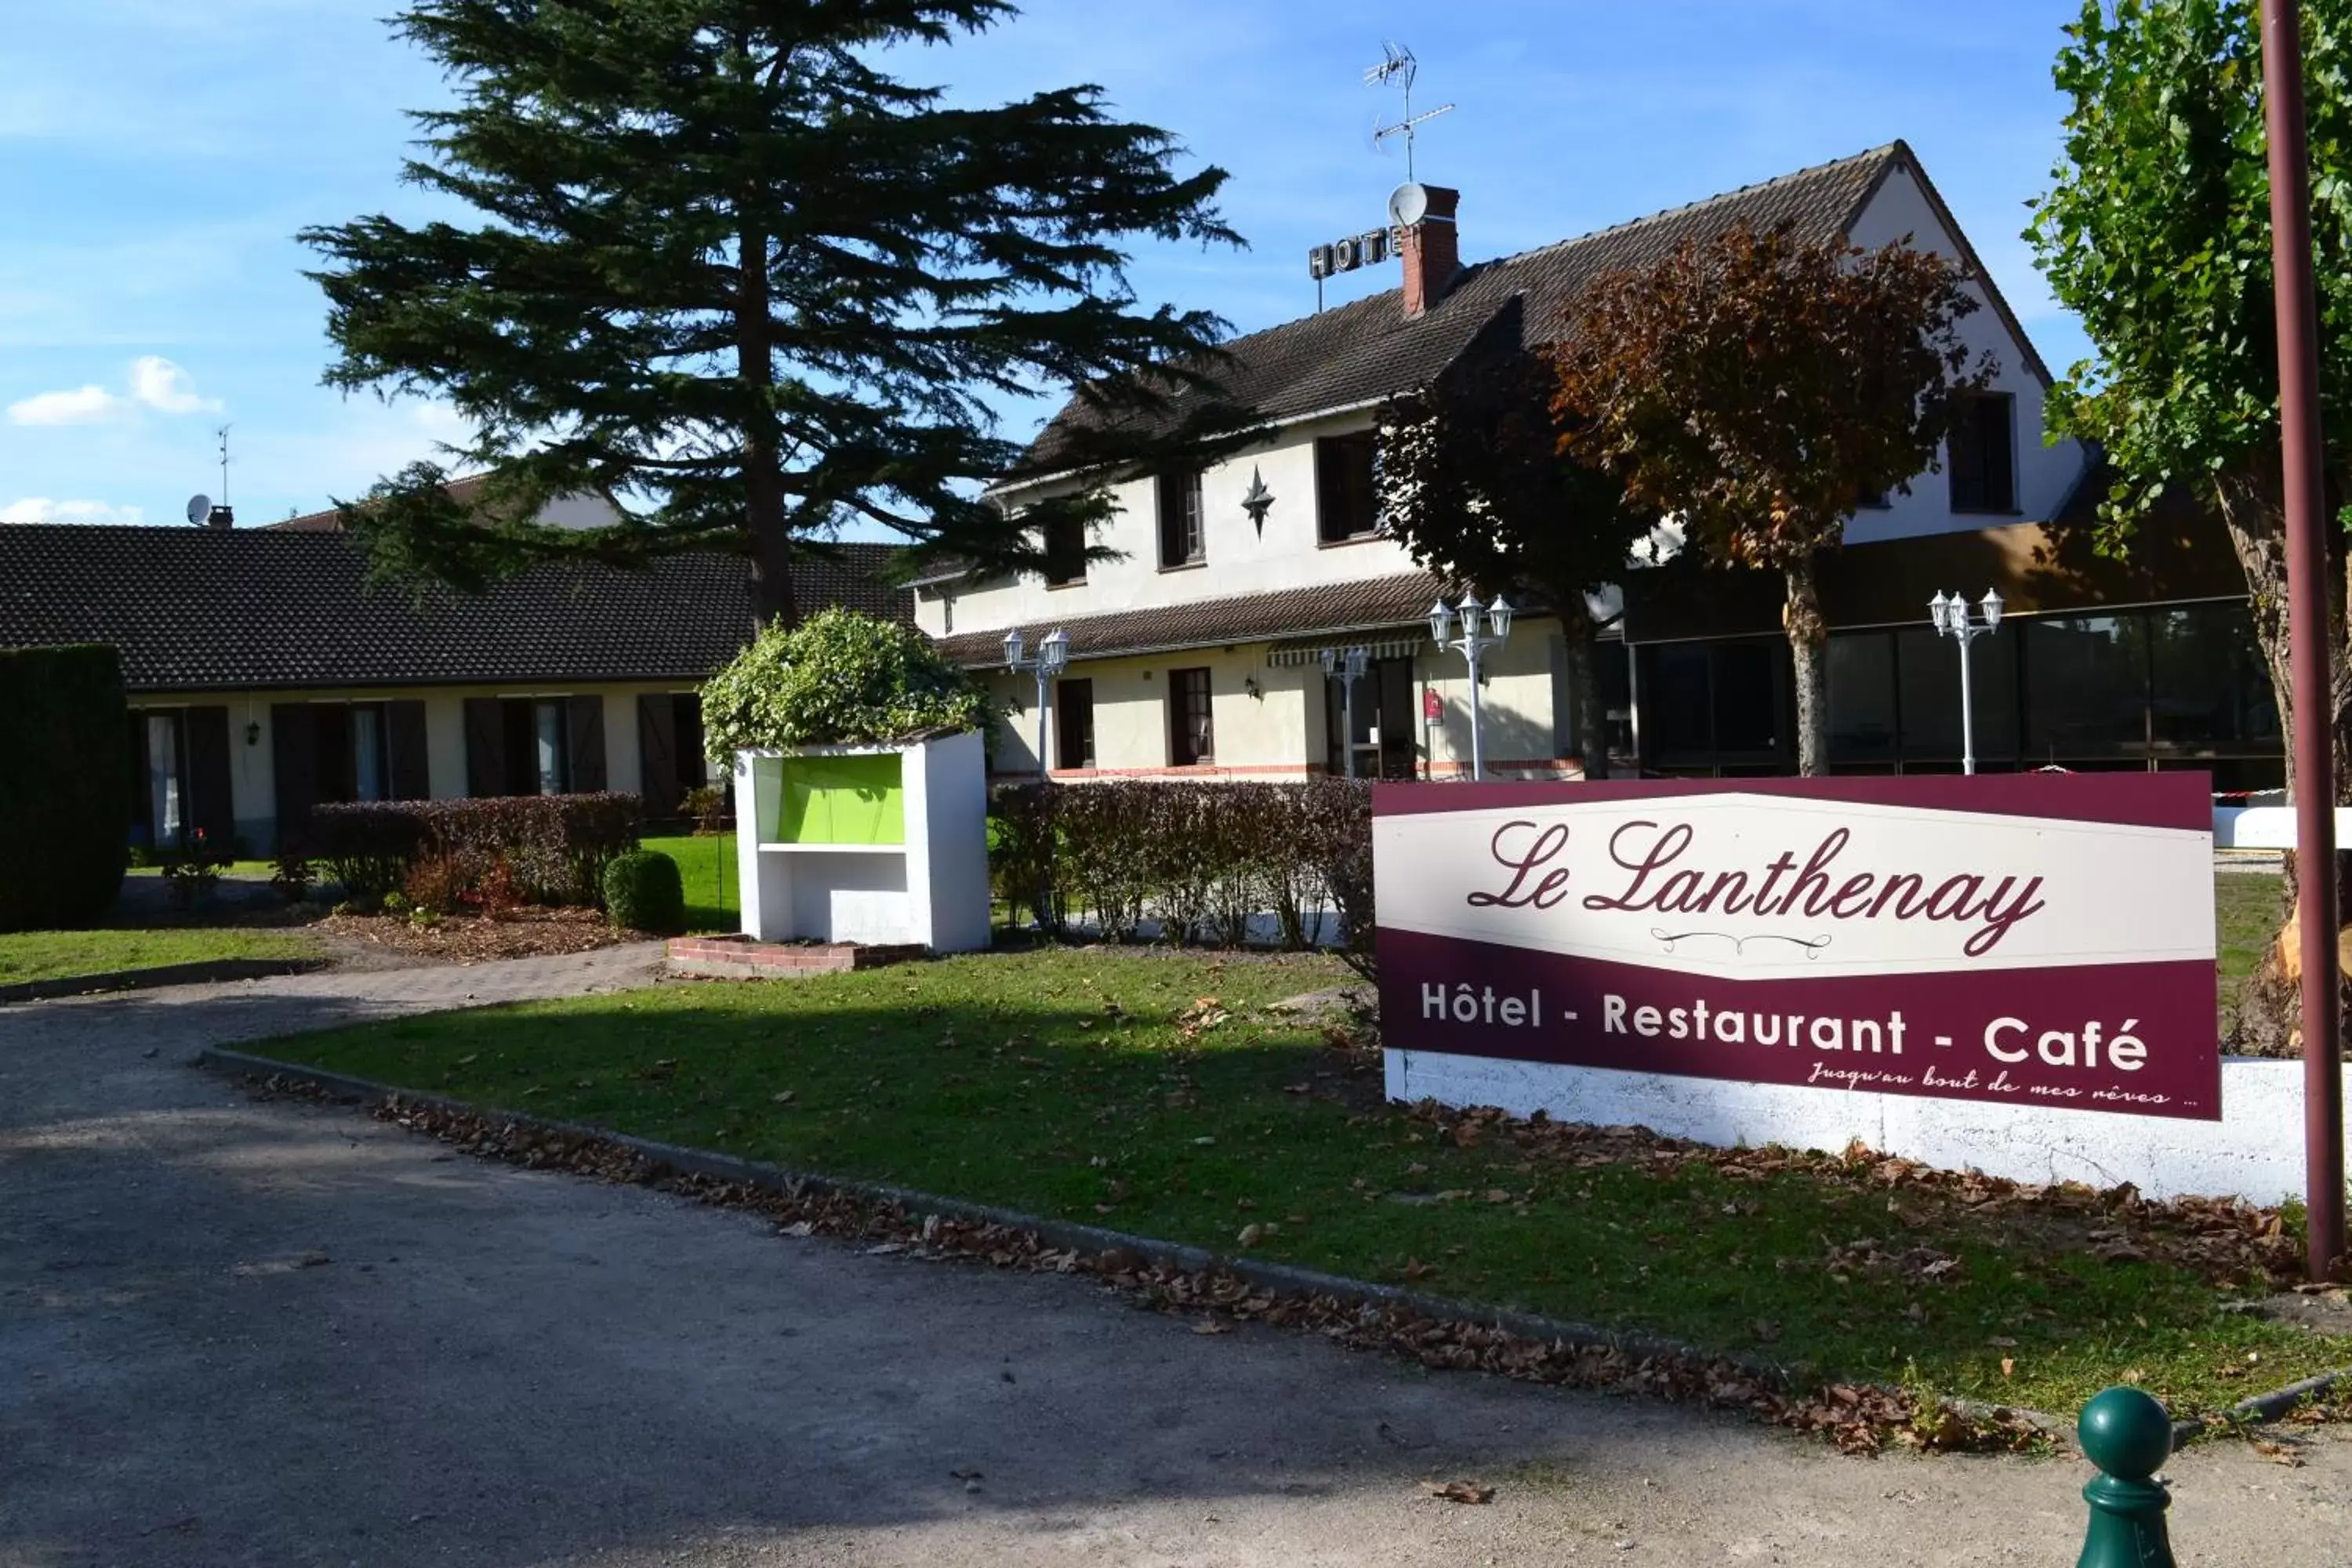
{"x":156,"y":158}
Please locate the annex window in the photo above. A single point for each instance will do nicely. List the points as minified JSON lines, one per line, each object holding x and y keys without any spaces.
{"x":1065,"y":552}
{"x":1184,"y":539}
{"x":1983,"y":452}
{"x":1074,"y":723}
{"x":1192,"y":735}
{"x":1346,"y":492}
{"x":165,"y":780}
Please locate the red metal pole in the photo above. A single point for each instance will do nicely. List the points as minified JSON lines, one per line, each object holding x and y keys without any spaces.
{"x":2308,"y":629}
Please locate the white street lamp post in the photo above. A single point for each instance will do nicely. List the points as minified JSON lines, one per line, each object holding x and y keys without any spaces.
{"x":1472,"y":647}
{"x":1949,"y":613}
{"x":1346,"y":668}
{"x":1053,"y":657}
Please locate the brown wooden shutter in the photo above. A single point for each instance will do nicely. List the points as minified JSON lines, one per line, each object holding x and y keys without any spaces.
{"x":212,"y":809}
{"x":486,"y":747}
{"x":585,"y":735}
{"x":410,"y":775}
{"x":142,"y":798}
{"x":658,"y":753}
{"x":294,"y":745}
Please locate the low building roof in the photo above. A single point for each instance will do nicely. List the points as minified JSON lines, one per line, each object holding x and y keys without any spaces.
{"x":1398,"y":600}
{"x":245,"y":609}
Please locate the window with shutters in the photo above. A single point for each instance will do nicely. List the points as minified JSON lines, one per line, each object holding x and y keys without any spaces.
{"x":1066,"y":552}
{"x":537,"y":749}
{"x":1183,"y":538}
{"x":1983,"y":454}
{"x":163,"y":793}
{"x":1192,"y":730}
{"x":1074,"y":723}
{"x":1347,"y":491}
{"x":352,"y":761}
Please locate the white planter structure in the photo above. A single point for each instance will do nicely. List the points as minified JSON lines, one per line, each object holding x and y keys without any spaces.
{"x":883,"y":845}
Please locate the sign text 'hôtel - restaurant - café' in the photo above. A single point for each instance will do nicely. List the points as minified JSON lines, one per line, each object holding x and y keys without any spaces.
{"x":2027,"y":939}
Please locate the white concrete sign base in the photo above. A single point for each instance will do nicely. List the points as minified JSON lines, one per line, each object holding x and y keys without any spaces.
{"x":2254,"y":1152}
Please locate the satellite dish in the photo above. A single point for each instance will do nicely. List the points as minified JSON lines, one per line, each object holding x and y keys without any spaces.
{"x":1408,"y":205}
{"x":200,"y":507}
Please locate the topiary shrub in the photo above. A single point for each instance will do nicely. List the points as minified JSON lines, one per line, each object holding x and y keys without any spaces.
{"x":838,"y":678}
{"x":65,"y":787}
{"x":643,"y":892}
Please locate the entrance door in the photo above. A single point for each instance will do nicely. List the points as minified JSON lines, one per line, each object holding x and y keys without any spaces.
{"x":1399,"y":749}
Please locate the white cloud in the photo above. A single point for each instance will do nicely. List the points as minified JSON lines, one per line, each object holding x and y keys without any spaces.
{"x":41,"y":509}
{"x":164,"y":387}
{"x":91,"y":405}
{"x":155,"y":384}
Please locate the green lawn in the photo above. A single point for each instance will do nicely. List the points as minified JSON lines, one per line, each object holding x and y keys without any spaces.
{"x":2246,"y":914}
{"x":707,"y":867}
{"x":51,"y":955}
{"x":261,"y":869}
{"x":1104,"y":1087}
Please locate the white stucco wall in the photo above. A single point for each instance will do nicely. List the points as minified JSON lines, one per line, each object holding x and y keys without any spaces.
{"x":2254,"y":1152}
{"x":2046,"y":473}
{"x":1239,"y":559}
{"x":1280,"y":733}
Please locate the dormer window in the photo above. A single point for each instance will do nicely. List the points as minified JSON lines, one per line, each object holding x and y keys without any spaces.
{"x":1983,"y":453}
{"x":1183,"y":538}
{"x":1347,"y":503}
{"x":1065,"y":552}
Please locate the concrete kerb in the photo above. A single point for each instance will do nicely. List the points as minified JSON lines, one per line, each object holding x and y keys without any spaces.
{"x":1071,"y":1234}
{"x":204,"y":972}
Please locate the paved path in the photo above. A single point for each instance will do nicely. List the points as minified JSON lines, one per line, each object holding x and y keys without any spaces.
{"x":240,"y":1333}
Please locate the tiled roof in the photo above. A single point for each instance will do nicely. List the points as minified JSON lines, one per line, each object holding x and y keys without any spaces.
{"x":331,"y":521}
{"x":193,"y":608}
{"x":1394,"y":601}
{"x":1365,"y":350}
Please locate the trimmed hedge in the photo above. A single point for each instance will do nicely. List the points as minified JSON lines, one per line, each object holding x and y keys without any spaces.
{"x":553,"y":847}
{"x":65,"y":787}
{"x":642,"y":891}
{"x":1197,"y":859}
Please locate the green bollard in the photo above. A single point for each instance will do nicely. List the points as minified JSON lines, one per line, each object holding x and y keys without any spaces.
{"x":2128,"y":1437}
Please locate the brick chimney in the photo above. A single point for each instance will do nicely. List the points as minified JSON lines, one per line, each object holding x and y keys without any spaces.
{"x":221,"y":517}
{"x":1433,"y":254}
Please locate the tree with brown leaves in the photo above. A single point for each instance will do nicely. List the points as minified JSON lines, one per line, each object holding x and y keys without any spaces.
{"x":1750,"y":388}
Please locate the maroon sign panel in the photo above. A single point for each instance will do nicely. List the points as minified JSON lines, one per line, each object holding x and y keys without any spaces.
{"x":2035,"y":939}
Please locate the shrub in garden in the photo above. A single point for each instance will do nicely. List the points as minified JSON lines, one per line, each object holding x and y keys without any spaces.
{"x":65,"y":786}
{"x":839,"y":677}
{"x":555,"y":848}
{"x":642,"y":891}
{"x":437,"y":884}
{"x":1199,"y":859}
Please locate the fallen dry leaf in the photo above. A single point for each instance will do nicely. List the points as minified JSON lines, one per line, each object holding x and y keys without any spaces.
{"x":1213,"y":1326}
{"x":1460,"y":1491}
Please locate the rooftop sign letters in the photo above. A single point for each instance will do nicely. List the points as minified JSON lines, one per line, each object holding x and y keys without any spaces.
{"x":2035,"y":939}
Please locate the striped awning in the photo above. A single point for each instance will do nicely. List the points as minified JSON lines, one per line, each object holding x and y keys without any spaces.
{"x":1391,"y":643}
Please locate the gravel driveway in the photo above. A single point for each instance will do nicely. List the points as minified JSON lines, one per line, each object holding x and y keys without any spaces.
{"x":242,"y":1332}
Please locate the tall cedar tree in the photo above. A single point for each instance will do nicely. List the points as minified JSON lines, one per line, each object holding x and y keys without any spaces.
{"x":1475,"y":485}
{"x":734,"y":277}
{"x":2157,"y":232}
{"x":1751,"y":387}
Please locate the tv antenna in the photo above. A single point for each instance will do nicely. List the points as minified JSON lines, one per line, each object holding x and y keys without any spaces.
{"x":223,"y":434}
{"x":1397,"y":68}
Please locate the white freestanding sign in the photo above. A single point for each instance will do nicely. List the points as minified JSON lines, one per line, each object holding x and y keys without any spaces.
{"x":882,"y":845}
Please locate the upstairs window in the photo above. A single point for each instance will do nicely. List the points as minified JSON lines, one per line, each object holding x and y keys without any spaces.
{"x":1191,"y":737}
{"x":1066,"y":552}
{"x":1183,"y":541}
{"x":1346,"y":493}
{"x":1983,"y":453}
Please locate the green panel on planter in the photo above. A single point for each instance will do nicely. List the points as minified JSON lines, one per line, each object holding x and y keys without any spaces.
{"x":841,"y":800}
